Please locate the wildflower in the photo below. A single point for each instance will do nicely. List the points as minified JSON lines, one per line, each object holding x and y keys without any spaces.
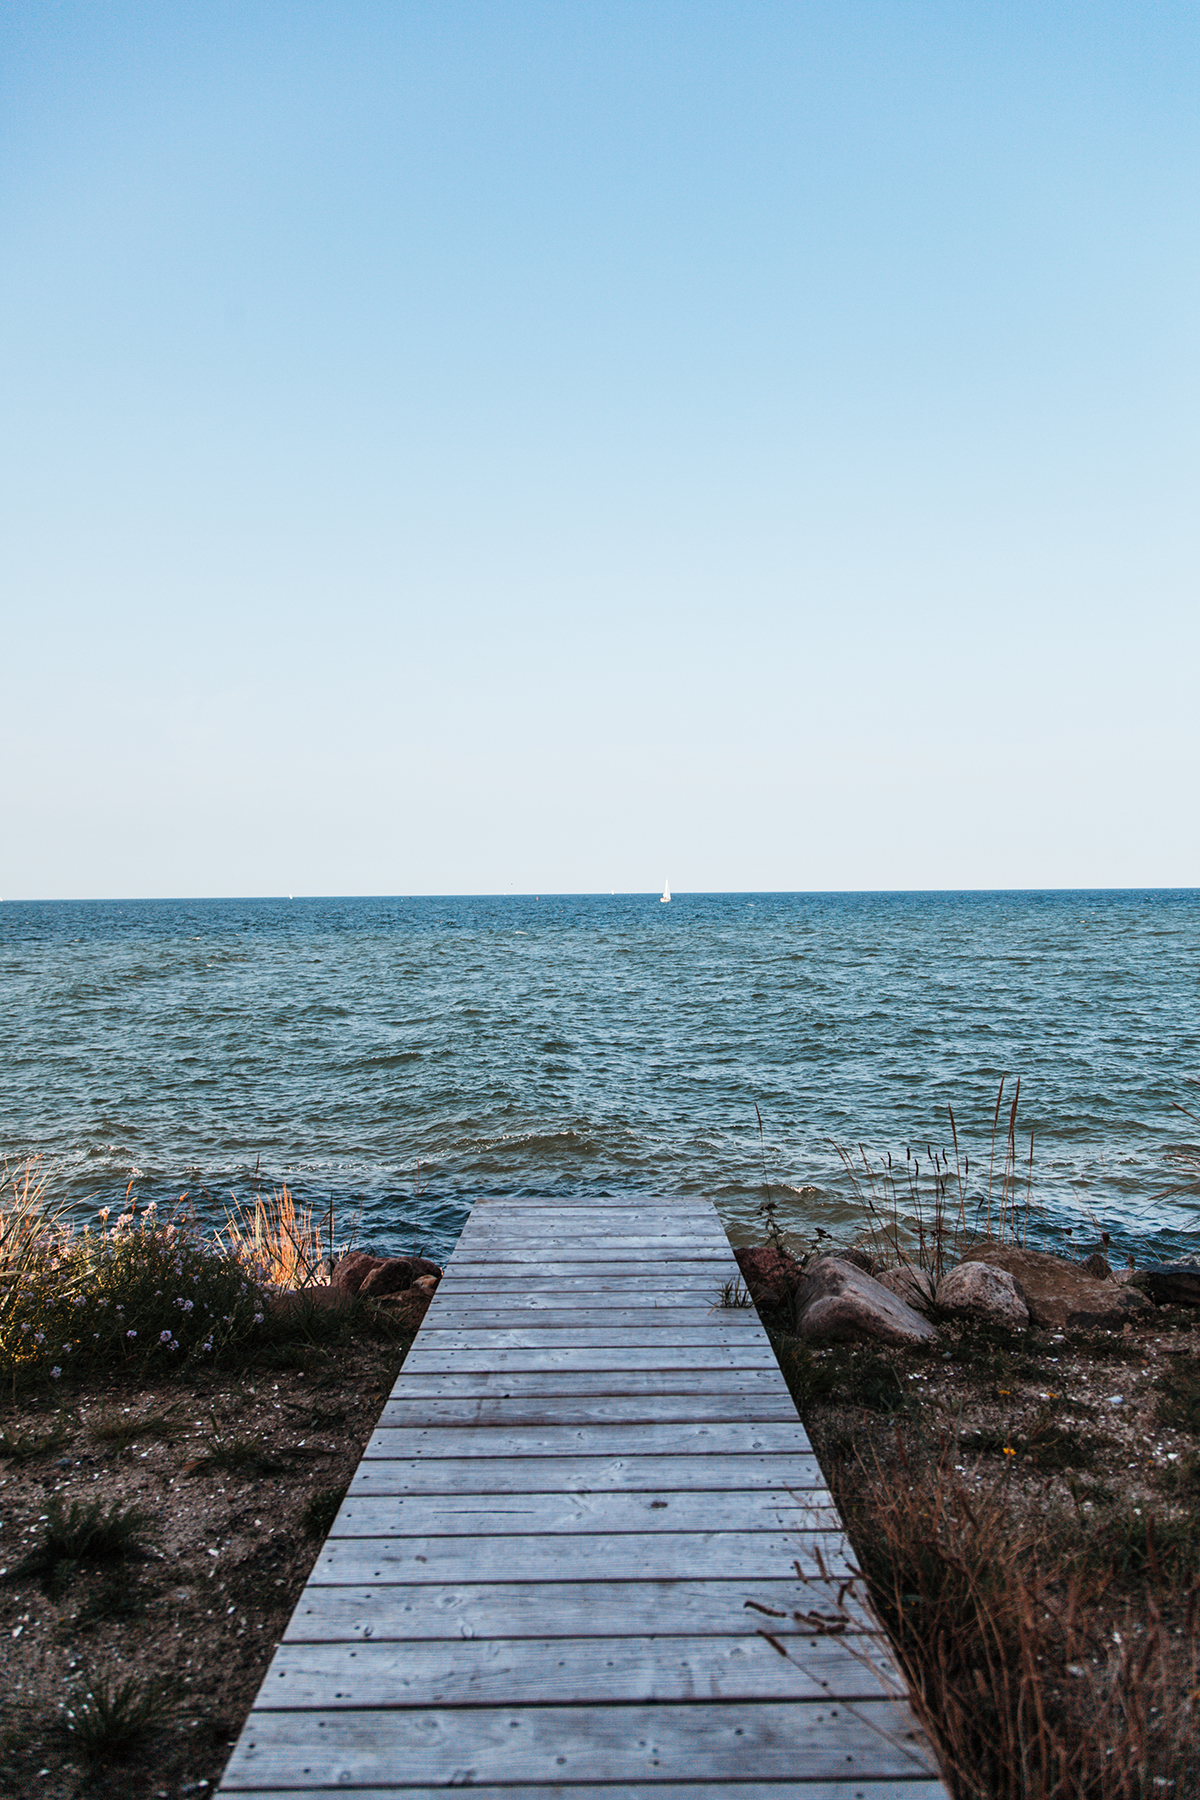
{"x":66,"y":1349}
{"x":103,"y":1214}
{"x":258,"y":1318}
{"x":39,"y":1337}
{"x":104,"y":1301}
{"x":79,"y":1300}
{"x":131,"y":1334}
{"x":26,"y":1326}
{"x":164,"y":1337}
{"x":1009,"y":1451}
{"x":206,"y":1346}
{"x":55,"y":1373}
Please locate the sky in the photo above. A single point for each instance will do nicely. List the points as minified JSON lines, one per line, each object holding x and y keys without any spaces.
{"x":548,"y":445}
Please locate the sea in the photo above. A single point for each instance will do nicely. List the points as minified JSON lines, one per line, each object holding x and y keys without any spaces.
{"x":390,"y":1060}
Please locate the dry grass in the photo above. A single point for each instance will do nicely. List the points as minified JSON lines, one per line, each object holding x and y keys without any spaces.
{"x":276,"y":1241}
{"x":1034,"y":1676}
{"x":922,"y":1212}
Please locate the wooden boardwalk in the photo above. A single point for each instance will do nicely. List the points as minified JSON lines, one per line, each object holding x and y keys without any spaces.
{"x":588,"y":1502}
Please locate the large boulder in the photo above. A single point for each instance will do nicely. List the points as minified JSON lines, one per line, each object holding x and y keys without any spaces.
{"x":837,"y":1301}
{"x":985,"y":1292}
{"x":1057,"y":1293}
{"x":912,"y":1285}
{"x":1169,"y":1284}
{"x":376,"y":1276}
{"x":771,"y":1275}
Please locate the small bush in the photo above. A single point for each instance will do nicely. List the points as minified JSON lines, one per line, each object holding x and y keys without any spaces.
{"x":142,"y":1289}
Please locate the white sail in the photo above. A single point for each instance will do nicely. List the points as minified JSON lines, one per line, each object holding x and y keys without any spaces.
{"x":666,"y":893}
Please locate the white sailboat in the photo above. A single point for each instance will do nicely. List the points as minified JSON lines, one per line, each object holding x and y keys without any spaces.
{"x":665,"y":899}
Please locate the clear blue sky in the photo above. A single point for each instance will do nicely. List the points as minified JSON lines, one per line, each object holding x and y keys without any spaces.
{"x":471,"y":447}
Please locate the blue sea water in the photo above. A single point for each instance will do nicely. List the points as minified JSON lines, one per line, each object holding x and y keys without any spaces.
{"x":397,"y":1057}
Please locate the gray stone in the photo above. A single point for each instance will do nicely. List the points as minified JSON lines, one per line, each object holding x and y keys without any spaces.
{"x":1096,"y":1265}
{"x":984,"y":1292}
{"x":1058,"y":1293}
{"x":1170,"y":1284}
{"x":837,"y":1301}
{"x":912,"y":1285}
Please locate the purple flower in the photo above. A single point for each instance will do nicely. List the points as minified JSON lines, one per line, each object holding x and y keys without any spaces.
{"x":55,"y":1373}
{"x":131,"y":1334}
{"x":164,"y":1337}
{"x":258,"y":1318}
{"x":39,"y":1337}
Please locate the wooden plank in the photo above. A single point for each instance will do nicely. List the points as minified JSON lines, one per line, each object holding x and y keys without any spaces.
{"x":754,"y":1353}
{"x":467,"y":1745}
{"x":484,"y":1279}
{"x":589,"y":1440}
{"x":661,"y":1320}
{"x":567,"y":1671}
{"x":585,"y":1409}
{"x":522,"y":1383}
{"x":594,"y":1268}
{"x":466,"y":1515}
{"x":719,"y":1607}
{"x":583,"y":1474}
{"x":604,"y":1556}
{"x":847,"y":1788}
{"x":517,"y":1298}
{"x":612,"y":1337}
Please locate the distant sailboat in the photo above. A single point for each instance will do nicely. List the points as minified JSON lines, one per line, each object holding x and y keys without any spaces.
{"x":666,"y":894}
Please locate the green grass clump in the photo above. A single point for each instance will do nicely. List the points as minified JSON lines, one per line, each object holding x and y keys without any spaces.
{"x":112,"y":1718}
{"x":321,"y":1510}
{"x":28,"y":1446}
{"x":84,"y":1534}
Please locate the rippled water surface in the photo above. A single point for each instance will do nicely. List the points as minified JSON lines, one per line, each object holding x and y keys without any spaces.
{"x":404,"y":1055}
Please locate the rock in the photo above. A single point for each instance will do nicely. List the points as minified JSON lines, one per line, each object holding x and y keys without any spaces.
{"x":426,"y":1284}
{"x":1169,"y":1284}
{"x":858,"y":1259}
{"x":985,"y":1292}
{"x":376,"y":1276}
{"x":1096,"y":1265}
{"x":836,"y":1300}
{"x":913,"y":1286}
{"x":1057,"y":1293}
{"x":771,"y":1275}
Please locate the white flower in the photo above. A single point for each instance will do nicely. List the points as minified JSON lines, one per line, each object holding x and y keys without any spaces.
{"x":131,"y":1334}
{"x":55,"y":1373}
{"x":164,"y":1337}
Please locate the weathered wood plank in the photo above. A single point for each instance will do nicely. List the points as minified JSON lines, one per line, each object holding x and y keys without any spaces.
{"x":466,"y":1745}
{"x":663,"y":1320}
{"x":753,"y":1353}
{"x":490,"y":1307}
{"x":567,"y":1671}
{"x":584,"y":1474}
{"x":523,"y":1383}
{"x":604,"y":1556}
{"x":612,"y":1337}
{"x":466,"y":1515}
{"x":719,"y":1607}
{"x":849,"y":1788}
{"x":586,"y":1409}
{"x":713,"y":1268}
{"x":589,"y":1440}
